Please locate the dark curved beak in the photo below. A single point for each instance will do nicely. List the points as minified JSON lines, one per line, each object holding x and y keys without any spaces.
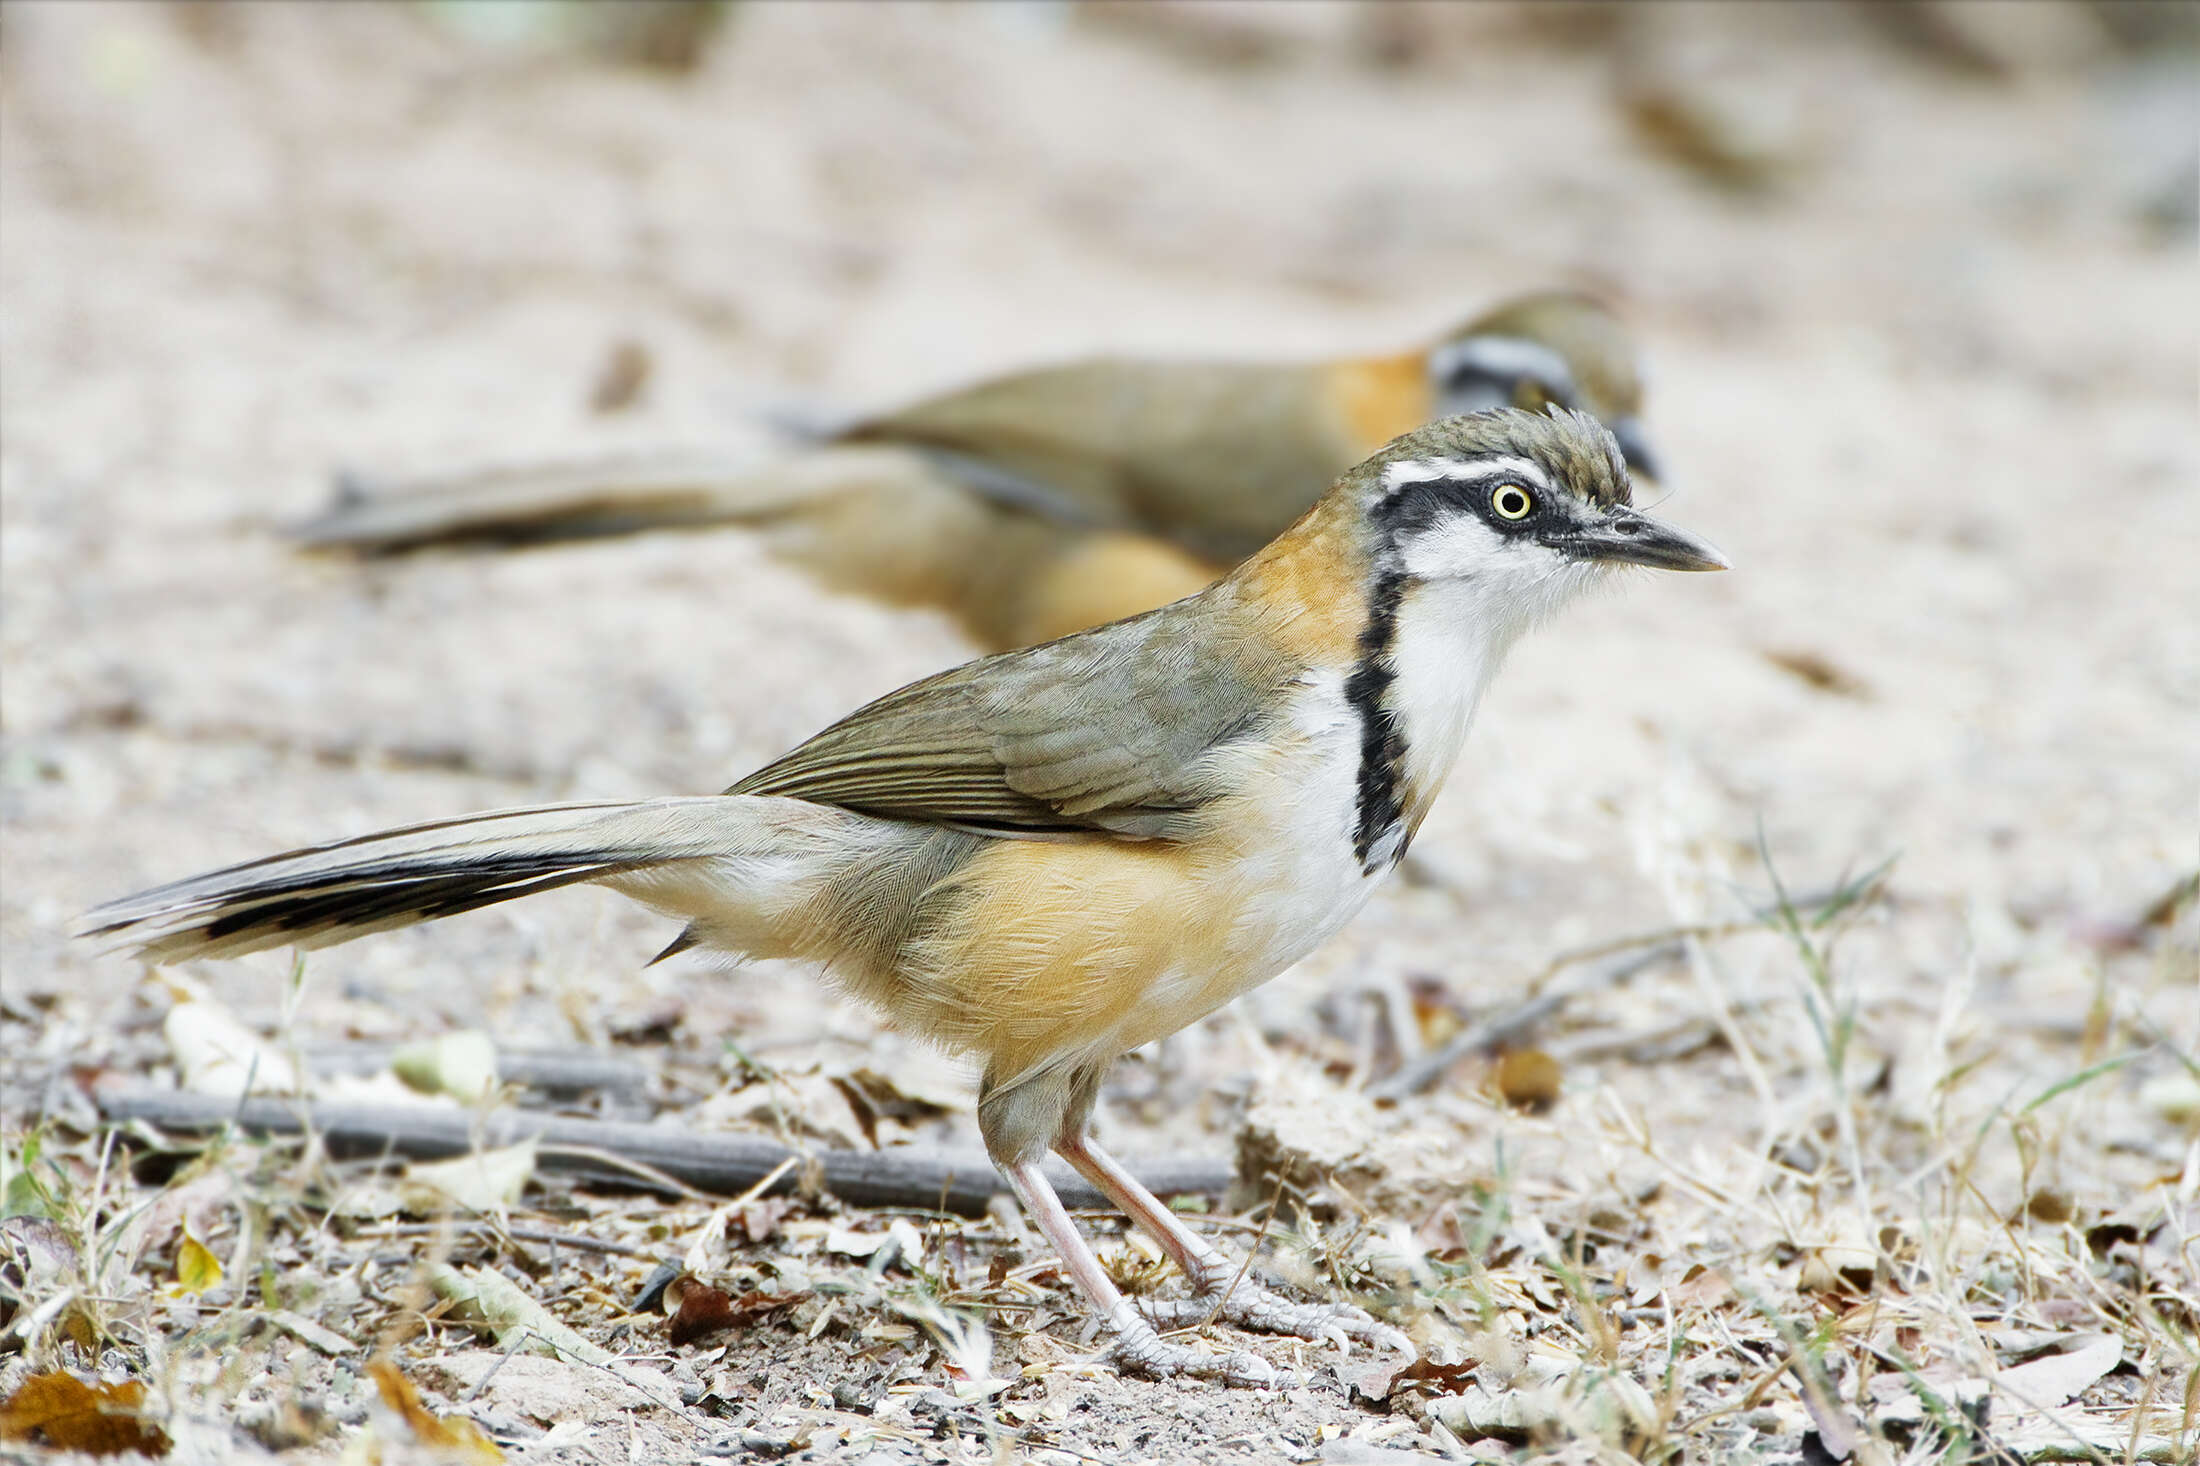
{"x":1634,"y":446}
{"x":1628,"y":537}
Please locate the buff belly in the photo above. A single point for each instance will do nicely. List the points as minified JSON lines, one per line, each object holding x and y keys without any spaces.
{"x":1088,"y":948}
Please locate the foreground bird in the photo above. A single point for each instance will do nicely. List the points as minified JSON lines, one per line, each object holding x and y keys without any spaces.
{"x":1048,"y":501}
{"x":1049,"y":857}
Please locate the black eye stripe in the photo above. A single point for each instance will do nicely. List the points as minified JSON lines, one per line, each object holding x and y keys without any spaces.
{"x":1467,"y":483}
{"x":1417,"y":505}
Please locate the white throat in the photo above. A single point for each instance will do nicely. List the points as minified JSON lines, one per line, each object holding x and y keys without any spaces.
{"x":1449,"y":637}
{"x":1448,"y":644}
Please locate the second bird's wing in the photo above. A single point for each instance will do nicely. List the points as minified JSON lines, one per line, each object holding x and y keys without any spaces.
{"x":1107,"y":730}
{"x":1216,"y":456}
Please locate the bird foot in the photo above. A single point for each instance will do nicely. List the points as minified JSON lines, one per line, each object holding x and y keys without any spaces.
{"x":1139,"y":1350}
{"x":1251,"y":1306}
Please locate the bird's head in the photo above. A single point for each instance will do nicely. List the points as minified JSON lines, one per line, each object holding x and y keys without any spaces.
{"x":1523,"y":510}
{"x":1537,"y":350}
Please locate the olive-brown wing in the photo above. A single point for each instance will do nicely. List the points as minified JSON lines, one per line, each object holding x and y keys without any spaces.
{"x":1216,"y":456}
{"x":1111,"y":730}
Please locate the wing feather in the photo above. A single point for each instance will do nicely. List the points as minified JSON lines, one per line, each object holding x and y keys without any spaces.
{"x":1112,"y":729}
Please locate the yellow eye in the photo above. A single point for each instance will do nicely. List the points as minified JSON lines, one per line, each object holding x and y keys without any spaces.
{"x":1512,"y":502}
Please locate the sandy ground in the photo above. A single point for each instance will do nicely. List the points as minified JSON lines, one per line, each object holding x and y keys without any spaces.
{"x":1934,"y":389}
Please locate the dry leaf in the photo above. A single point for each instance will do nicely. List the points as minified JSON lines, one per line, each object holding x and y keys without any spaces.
{"x":900,"y":1242}
{"x":1817,"y":670}
{"x":1437,"y":1012}
{"x":215,"y":1054}
{"x":462,"y":1065}
{"x":2175,"y":1097}
{"x":486,"y":1181}
{"x":454,"y":1436}
{"x":809,"y":1106}
{"x":197,"y":1269}
{"x":698,"y":1309}
{"x":2050,"y":1205}
{"x":194,"y":1207}
{"x":371,"y":1199}
{"x":849,"y":1242}
{"x":1529,"y":1079}
{"x":2055,"y":1379}
{"x":306,"y":1331}
{"x":874,"y":1096}
{"x":760,"y":1219}
{"x":1726,"y":128}
{"x":1595,"y":1403}
{"x":1701,"y":1287}
{"x":1844,"y":1265}
{"x":964,"y":1342}
{"x":62,"y":1411}
{"x":620,"y":380}
{"x":40,"y":1248}
{"x":488,"y":1298}
{"x":1898,"y":1398}
{"x":1376,"y":1381}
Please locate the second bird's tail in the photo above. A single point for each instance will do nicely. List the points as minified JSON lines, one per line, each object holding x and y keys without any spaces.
{"x":542,"y":503}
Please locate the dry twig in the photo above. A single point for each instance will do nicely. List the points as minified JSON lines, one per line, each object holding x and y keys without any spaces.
{"x":950,"y":1180}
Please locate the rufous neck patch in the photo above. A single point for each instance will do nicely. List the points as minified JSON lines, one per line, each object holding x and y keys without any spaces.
{"x":1380,"y":398}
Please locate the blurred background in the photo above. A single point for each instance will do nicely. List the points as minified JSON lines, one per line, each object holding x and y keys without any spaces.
{"x":1914,"y":285}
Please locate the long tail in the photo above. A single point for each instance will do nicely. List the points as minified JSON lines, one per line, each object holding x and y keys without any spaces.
{"x":540,"y":503}
{"x":332,"y":893}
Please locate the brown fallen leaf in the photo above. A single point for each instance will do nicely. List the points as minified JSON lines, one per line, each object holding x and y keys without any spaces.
{"x":1820,"y":672}
{"x":2050,"y":1205}
{"x":1529,"y":1079}
{"x":62,"y":1411}
{"x":910,"y":1098}
{"x":698,"y":1309}
{"x":1730,"y":137}
{"x":1378,"y":1380}
{"x":1437,"y":1011}
{"x":1843,"y":1265}
{"x":625,"y":371}
{"x":1702,"y":1288}
{"x":454,"y":1436}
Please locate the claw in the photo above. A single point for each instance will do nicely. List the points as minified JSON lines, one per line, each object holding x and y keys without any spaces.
{"x":1139,"y":1350}
{"x":1221,"y":1291}
{"x":1251,"y":1306}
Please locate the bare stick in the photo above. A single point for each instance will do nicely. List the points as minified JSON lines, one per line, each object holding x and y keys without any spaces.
{"x":1423,"y":1072}
{"x":548,"y":1236}
{"x":1643,"y":950}
{"x":961,"y":1181}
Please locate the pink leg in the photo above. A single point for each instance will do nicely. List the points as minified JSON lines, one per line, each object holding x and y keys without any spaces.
{"x":1137,"y":1346}
{"x":1220,"y":1288}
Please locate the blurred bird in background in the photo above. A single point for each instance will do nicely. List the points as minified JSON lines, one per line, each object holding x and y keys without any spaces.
{"x":1046,"y":501}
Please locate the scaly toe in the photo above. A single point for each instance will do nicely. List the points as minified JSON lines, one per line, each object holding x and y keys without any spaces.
{"x":1250,"y":1306}
{"x":1142,"y":1351}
